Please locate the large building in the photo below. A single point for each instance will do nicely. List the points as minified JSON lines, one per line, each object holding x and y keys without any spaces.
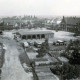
{"x":70,"y":24}
{"x":35,"y":34}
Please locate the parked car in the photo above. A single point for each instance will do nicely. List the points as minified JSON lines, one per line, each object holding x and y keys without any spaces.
{"x":37,"y":44}
{"x":31,"y":43}
{"x":18,"y":39}
{"x":59,"y":43}
{"x":25,"y":44}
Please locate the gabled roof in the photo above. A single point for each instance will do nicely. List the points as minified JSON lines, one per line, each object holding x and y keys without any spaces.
{"x":71,"y":20}
{"x":63,"y":20}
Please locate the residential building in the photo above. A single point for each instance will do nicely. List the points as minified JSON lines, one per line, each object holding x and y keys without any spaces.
{"x":71,"y":24}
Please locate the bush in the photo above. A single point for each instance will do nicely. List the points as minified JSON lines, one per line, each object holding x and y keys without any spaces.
{"x":44,"y":49}
{"x":75,"y":57}
{"x":67,"y":71}
{"x":35,"y":44}
{"x":65,"y":55}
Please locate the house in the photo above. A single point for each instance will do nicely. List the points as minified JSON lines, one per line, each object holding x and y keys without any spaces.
{"x":71,"y":24}
{"x":14,"y":23}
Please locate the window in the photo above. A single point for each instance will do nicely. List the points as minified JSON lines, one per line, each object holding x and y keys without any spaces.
{"x":34,"y":36}
{"x":38,"y":36}
{"x":24,"y":37}
{"x":29,"y":36}
{"x":42,"y":36}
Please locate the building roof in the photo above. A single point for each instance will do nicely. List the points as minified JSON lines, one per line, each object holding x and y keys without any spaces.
{"x":71,"y":20}
{"x":46,"y":76}
{"x":44,"y":73}
{"x":63,"y":59}
{"x":42,"y":69}
{"x":42,"y":62}
{"x":33,"y":32}
{"x":46,"y":60}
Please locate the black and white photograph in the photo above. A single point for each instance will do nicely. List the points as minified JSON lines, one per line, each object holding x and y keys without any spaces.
{"x":39,"y":39}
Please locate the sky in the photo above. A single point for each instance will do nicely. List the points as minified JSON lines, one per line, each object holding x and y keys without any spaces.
{"x":40,"y":7}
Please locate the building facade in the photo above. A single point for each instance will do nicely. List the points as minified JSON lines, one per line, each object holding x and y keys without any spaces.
{"x":36,"y":34}
{"x":71,"y":24}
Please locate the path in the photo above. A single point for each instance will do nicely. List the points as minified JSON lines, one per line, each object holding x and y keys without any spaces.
{"x":12,"y":69}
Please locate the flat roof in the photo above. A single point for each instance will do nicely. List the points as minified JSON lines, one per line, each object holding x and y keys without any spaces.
{"x":33,"y":32}
{"x":42,"y":69}
{"x":46,"y":76}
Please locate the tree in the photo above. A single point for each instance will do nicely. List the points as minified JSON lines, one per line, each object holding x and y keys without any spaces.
{"x":69,"y":45}
{"x":44,"y":49}
{"x":75,"y":57}
{"x":2,"y":23}
{"x":66,"y":71}
{"x":73,"y":45}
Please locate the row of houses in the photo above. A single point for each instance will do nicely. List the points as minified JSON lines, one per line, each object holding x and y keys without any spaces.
{"x":71,"y":24}
{"x":15,"y":23}
{"x":29,"y":22}
{"x":22,"y":22}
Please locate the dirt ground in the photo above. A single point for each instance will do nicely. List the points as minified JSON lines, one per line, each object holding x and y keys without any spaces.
{"x":12,"y":68}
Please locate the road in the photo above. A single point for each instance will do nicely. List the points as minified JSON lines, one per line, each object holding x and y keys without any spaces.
{"x":12,"y":68}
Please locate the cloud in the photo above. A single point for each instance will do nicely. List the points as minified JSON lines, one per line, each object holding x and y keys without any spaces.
{"x":39,"y":7}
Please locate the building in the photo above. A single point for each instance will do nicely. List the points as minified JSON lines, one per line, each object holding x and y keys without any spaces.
{"x":47,"y":61}
{"x":71,"y":24}
{"x":44,"y":73}
{"x":35,"y":34}
{"x":42,"y":62}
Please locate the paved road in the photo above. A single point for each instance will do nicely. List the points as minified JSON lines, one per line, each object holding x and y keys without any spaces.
{"x":12,"y":69}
